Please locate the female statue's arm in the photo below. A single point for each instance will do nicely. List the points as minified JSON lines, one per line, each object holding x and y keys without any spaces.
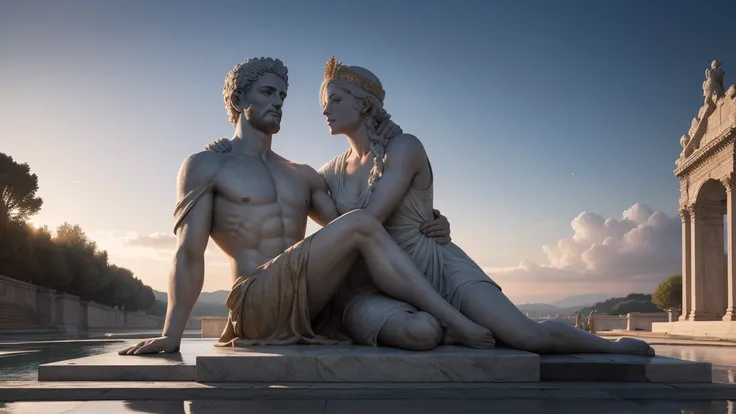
{"x":404,"y":160}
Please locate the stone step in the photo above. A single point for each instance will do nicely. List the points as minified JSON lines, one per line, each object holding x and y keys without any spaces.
{"x":200,"y":361}
{"x":313,"y":363}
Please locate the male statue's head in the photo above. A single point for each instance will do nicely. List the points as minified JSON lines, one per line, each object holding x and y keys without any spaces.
{"x":254,"y":92}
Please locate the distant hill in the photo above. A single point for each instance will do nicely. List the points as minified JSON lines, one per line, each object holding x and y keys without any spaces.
{"x":584,"y":300}
{"x":633,"y":302}
{"x":217,"y":297}
{"x":208,"y":303}
{"x":563,"y":307}
{"x":541,"y":310}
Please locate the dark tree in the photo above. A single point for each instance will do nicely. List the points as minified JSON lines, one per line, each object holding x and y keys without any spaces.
{"x":18,"y":188}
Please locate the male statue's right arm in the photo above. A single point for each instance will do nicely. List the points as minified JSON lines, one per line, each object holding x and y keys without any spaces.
{"x":187,"y":276}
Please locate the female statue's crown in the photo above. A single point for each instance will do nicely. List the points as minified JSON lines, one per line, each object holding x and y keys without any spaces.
{"x":338,"y":72}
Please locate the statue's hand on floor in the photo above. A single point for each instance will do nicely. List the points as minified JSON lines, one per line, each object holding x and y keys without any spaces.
{"x":164,"y":344}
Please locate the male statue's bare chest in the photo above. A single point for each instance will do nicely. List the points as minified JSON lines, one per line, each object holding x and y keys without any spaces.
{"x":252,"y":182}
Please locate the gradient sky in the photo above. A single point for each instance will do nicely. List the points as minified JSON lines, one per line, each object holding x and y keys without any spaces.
{"x":532,"y":112}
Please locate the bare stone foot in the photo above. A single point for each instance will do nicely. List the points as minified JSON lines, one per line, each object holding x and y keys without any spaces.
{"x":634,"y":346}
{"x":471,"y":335}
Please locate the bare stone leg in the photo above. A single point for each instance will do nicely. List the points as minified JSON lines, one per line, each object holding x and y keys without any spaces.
{"x":390,"y":269}
{"x":417,"y":331}
{"x":488,"y":306}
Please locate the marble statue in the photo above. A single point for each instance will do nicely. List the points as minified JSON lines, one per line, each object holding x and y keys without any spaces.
{"x":579,"y":321}
{"x":591,"y":322}
{"x":254,"y":205}
{"x":713,"y":92}
{"x":713,"y":85}
{"x":391,"y":180}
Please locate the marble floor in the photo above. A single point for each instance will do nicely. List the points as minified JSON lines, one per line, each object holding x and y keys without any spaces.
{"x":352,"y":406}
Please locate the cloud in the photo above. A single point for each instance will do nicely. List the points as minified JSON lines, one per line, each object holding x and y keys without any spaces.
{"x":155,"y":241}
{"x":156,"y":246}
{"x":631,"y":253}
{"x":150,"y":257}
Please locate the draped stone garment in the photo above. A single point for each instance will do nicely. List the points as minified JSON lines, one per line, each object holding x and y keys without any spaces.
{"x":450,"y":271}
{"x":268,"y":307}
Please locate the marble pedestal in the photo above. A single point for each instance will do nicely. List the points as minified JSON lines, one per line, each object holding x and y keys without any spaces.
{"x":199,"y":361}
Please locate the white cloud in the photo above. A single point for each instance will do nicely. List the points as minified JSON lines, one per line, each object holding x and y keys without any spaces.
{"x":159,"y":246}
{"x":156,"y":241}
{"x":150,"y":257}
{"x":629,"y":254}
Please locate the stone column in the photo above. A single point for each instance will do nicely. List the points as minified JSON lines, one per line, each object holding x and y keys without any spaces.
{"x":686,"y":263}
{"x":731,"y":248}
{"x":697,"y":265}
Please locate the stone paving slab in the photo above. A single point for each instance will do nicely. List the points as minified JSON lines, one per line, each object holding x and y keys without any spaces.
{"x":624,"y":368}
{"x":366,"y":364}
{"x":167,"y":391}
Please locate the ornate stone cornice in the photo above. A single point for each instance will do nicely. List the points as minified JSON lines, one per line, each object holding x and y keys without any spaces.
{"x":703,"y":154}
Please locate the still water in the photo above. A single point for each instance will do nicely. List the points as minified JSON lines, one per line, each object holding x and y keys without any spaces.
{"x":20,"y":362}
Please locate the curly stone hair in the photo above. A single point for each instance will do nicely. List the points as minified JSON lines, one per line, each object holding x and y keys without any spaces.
{"x":242,"y":76}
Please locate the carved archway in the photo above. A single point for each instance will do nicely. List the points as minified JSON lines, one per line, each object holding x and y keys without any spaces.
{"x":706,"y":169}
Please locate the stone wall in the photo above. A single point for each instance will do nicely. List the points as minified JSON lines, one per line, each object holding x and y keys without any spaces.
{"x":17,"y":292}
{"x":67,"y":313}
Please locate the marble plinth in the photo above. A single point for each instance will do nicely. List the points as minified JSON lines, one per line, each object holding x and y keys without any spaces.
{"x":623,"y":368}
{"x":200,"y":361}
{"x":366,"y":364}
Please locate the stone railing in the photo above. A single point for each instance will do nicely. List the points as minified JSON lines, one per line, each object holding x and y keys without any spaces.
{"x":212,"y":326}
{"x":67,"y":313}
{"x":637,"y":321}
{"x":609,"y":322}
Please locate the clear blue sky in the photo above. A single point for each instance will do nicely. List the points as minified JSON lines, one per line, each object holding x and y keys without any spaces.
{"x":532,"y":112}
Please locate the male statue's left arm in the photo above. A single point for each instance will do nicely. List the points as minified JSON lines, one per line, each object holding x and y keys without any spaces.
{"x":322,"y":207}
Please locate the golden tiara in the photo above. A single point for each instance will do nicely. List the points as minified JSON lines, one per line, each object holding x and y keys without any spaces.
{"x":338,"y":72}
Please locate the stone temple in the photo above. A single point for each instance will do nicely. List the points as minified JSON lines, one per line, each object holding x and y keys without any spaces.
{"x":706,"y":169}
